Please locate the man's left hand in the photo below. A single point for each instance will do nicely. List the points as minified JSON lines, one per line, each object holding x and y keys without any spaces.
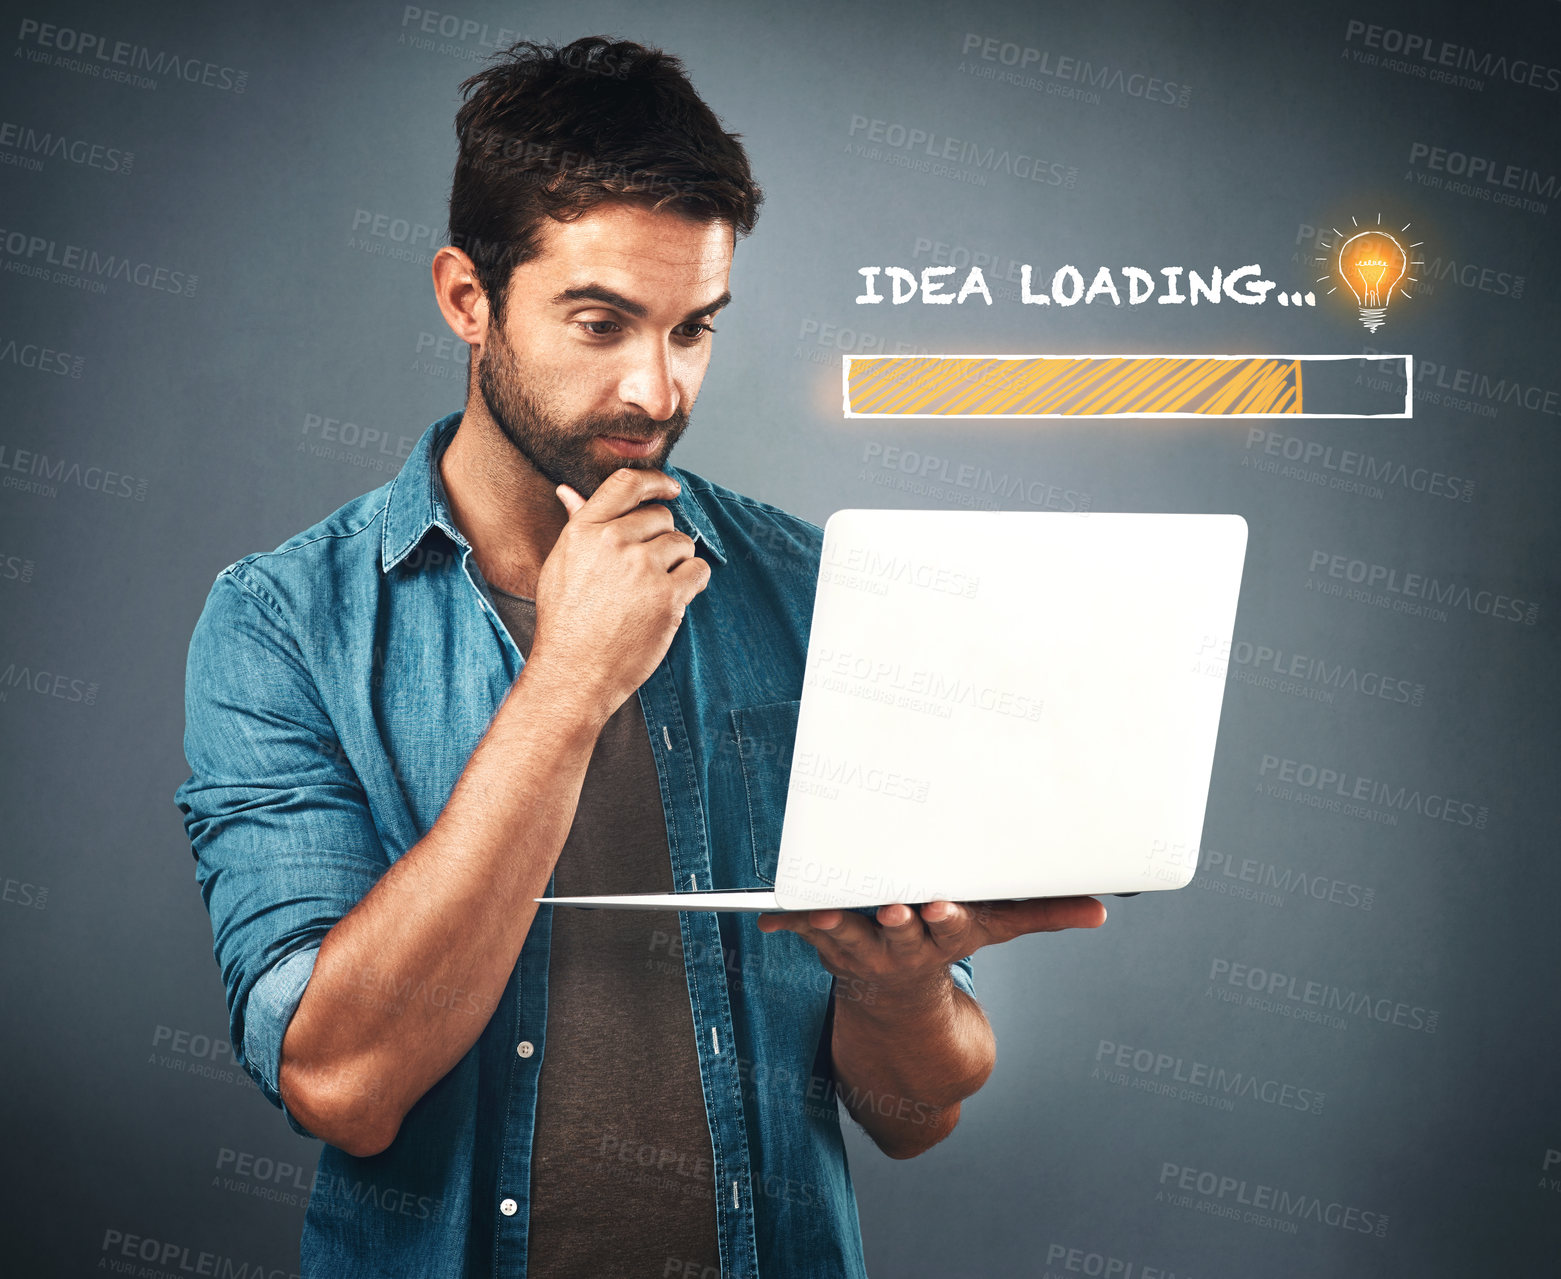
{"x":904,"y":948}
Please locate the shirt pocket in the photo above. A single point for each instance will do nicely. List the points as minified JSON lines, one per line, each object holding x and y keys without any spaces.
{"x":764,"y":736}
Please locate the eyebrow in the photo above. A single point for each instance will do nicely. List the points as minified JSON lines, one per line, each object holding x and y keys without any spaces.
{"x":606,"y":296}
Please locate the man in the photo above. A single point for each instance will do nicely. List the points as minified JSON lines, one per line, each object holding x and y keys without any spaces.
{"x":542,"y":660}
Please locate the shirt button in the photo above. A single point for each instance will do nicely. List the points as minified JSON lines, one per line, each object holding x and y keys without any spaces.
{"x":508,"y":1207}
{"x":525,"y":1048}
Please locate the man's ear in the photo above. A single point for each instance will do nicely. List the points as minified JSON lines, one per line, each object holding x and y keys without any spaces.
{"x":460,"y":295}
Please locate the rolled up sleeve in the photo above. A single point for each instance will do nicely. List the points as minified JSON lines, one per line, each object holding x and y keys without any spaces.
{"x":281,"y":831}
{"x":963,"y":975}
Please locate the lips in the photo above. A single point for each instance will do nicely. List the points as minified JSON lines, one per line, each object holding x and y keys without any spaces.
{"x":631,"y":445}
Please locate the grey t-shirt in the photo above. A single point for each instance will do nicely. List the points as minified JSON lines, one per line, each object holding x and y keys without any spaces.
{"x":621,"y":1165}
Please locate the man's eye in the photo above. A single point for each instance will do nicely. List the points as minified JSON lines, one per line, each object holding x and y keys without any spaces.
{"x":695,"y":331}
{"x":599,"y":328}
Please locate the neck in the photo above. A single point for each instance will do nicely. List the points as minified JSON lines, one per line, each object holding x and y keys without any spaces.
{"x":502,"y":505}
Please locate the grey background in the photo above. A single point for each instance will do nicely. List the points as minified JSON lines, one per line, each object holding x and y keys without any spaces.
{"x":122,"y":1110}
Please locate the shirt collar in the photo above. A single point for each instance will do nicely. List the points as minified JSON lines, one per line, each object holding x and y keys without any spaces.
{"x":417,"y":501}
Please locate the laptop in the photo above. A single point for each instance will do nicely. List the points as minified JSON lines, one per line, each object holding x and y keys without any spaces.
{"x":1000,"y":705}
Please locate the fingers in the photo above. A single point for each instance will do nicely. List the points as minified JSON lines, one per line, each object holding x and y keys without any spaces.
{"x":903,"y":929}
{"x":893,"y":939}
{"x":644,"y":523}
{"x":998,"y":921}
{"x":690,"y":577}
{"x":669,"y":548}
{"x":834,"y":931}
{"x":949,"y":923}
{"x":621,"y":492}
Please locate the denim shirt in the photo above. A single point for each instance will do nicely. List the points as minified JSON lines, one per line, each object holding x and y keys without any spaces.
{"x":335,"y":688}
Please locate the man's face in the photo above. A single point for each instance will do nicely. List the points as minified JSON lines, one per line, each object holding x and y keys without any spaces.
{"x":606,"y":334}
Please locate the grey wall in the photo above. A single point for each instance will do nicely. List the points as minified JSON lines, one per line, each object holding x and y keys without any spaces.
{"x":279,"y":222}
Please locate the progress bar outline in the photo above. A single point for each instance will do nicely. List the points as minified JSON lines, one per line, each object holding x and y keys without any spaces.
{"x":847,"y":360}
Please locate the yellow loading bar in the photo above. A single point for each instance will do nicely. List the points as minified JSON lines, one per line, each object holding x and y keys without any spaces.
{"x":1192,"y":386}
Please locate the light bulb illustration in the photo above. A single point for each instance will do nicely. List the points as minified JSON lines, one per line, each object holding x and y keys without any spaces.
{"x":1372,"y":263}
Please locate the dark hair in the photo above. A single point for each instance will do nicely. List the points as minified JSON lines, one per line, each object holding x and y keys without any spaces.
{"x":552,"y":131}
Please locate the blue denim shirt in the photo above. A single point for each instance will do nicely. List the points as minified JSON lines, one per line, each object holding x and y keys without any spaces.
{"x":335,"y":688}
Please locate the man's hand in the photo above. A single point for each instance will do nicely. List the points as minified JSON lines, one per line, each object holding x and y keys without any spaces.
{"x":905,"y":949}
{"x":912,"y":1045}
{"x":612,"y":591}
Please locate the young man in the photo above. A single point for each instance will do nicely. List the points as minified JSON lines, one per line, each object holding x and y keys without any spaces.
{"x":542,"y":660}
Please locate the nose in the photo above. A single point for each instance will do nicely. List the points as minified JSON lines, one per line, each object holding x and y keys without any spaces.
{"x":648,"y":384}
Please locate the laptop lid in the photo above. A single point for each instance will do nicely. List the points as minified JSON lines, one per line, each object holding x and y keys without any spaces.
{"x":1007,"y":704}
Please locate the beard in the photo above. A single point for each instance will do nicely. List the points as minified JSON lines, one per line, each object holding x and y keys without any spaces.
{"x":562,"y":451}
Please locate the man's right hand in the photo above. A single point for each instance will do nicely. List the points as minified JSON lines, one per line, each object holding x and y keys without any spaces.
{"x":453,"y":912}
{"x":612,"y":591}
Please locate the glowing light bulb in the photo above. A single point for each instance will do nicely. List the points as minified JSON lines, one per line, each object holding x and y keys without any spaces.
{"x":1371,"y":263}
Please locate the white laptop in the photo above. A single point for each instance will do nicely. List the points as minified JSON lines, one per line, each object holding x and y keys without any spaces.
{"x":1001,"y":704}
